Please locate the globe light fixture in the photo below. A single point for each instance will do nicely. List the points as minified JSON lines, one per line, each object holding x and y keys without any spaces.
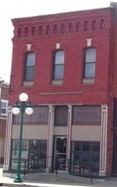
{"x":29,"y":110}
{"x":23,"y":97}
{"x":16,"y":110}
{"x":21,"y":108}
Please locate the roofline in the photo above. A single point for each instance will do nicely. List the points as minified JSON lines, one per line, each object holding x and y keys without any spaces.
{"x":55,"y":15}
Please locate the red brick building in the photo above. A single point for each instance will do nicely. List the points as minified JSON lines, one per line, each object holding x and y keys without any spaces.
{"x":65,"y":62}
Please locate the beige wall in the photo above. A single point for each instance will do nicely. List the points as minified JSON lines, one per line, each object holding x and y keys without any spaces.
{"x":78,"y":133}
{"x":2,"y":140}
{"x":31,"y":132}
{"x":60,"y":130}
{"x":85,"y":133}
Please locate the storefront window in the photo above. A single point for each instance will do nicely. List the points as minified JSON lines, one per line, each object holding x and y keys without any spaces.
{"x":33,"y":154}
{"x":85,"y":158}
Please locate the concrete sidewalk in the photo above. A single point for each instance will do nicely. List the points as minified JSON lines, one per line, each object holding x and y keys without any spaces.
{"x":53,"y":180}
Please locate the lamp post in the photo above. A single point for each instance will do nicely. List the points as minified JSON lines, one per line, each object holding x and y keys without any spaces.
{"x":21,"y":108}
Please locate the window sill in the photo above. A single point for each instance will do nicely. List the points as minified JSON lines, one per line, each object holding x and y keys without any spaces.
{"x":57,"y":82}
{"x":28,"y":83}
{"x":88,"y":81}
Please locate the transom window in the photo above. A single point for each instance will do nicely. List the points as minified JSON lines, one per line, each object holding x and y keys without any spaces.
{"x":86,"y":115}
{"x":58,"y":65}
{"x":90,"y":63}
{"x":29,"y":68}
{"x":61,"y":115}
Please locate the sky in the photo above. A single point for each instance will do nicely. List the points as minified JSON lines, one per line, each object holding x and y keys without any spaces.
{"x":10,"y":9}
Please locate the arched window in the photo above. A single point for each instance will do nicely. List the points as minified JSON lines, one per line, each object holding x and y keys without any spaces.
{"x":89,"y":63}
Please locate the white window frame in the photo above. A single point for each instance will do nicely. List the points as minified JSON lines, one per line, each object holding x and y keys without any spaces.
{"x":6,"y":108}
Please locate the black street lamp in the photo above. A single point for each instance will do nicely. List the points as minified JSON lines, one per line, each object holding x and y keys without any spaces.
{"x":21,"y":108}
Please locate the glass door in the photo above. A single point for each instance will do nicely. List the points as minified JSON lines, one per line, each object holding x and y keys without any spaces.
{"x":60,"y":145}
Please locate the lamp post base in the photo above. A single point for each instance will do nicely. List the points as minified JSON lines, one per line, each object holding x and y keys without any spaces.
{"x":18,"y":179}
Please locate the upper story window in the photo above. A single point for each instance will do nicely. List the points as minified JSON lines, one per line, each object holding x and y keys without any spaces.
{"x":58,"y":65}
{"x":29,"y":67}
{"x":4,"y":107}
{"x":89,"y":63}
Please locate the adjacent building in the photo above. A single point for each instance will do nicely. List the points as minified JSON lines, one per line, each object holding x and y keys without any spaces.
{"x":67,"y":64}
{"x":4,"y":97}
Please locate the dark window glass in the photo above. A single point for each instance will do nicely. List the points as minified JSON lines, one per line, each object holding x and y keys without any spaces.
{"x":58,"y":65}
{"x":61,"y":115}
{"x":90,"y":63}
{"x":39,"y":116}
{"x":85,"y":158}
{"x":86,"y":115}
{"x":33,"y":155}
{"x":29,"y":69}
{"x":4,"y":107}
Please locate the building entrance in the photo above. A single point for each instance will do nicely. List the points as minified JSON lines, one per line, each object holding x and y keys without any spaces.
{"x":60,"y":144}
{"x":114,"y":170}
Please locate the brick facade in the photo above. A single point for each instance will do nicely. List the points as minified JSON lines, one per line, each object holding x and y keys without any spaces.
{"x":70,"y":31}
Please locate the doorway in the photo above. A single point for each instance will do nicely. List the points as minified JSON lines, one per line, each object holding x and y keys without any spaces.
{"x":114,"y":168}
{"x":60,"y":144}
